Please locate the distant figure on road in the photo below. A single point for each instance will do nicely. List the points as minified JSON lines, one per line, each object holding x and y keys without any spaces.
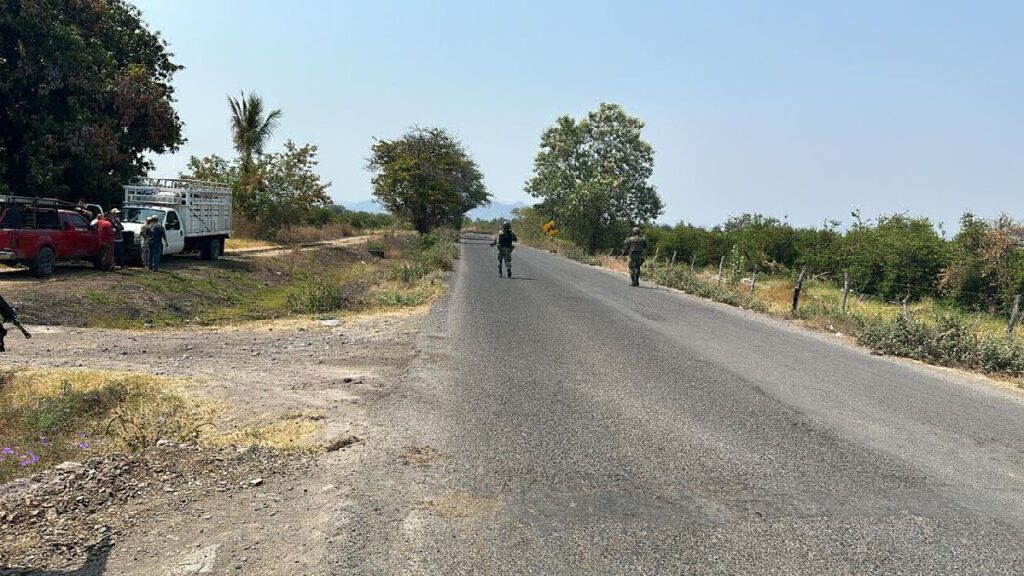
{"x":505,"y":241}
{"x":636,"y":245}
{"x":115,"y":219}
{"x":156,"y":242}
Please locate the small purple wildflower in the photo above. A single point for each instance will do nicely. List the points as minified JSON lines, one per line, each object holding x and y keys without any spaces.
{"x":83,"y":445}
{"x":30,"y":458}
{"x":44,"y":441}
{"x":7,"y":451}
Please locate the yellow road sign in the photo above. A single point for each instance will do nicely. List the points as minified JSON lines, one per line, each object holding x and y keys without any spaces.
{"x":549,"y":227}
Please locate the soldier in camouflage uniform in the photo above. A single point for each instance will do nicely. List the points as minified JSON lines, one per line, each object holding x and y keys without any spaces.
{"x":505,"y":241}
{"x":636,"y":245}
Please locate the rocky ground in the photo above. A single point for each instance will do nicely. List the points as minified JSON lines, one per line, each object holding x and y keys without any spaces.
{"x":190,"y":510}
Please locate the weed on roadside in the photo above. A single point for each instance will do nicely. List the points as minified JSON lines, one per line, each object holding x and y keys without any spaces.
{"x":49,"y":416}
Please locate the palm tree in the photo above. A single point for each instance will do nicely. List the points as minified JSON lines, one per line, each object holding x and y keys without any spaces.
{"x":250,"y":127}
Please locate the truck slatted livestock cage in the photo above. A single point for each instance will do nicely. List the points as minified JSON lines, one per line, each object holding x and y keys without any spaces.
{"x":204,"y":206}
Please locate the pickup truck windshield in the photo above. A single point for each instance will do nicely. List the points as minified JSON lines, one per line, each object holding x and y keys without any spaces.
{"x":139,"y":215}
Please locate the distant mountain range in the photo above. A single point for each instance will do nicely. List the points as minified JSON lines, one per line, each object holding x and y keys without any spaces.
{"x":491,"y":212}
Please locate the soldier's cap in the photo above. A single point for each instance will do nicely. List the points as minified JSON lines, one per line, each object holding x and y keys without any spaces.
{"x":115,"y":211}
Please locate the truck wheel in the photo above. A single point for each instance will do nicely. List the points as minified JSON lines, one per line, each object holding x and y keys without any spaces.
{"x":216,"y":248}
{"x":100,"y":261}
{"x":211,"y":249}
{"x":42,"y":265}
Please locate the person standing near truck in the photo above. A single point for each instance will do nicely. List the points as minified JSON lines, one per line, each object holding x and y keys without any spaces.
{"x":157,"y":242}
{"x":106,"y":234}
{"x":144,"y":243}
{"x":115,"y":219}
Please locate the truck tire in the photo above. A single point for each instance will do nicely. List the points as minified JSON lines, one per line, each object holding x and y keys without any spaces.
{"x":99,"y":262}
{"x":42,"y":265}
{"x":211,"y":249}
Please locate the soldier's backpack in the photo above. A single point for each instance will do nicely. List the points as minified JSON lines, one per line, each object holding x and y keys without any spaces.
{"x":505,"y":239}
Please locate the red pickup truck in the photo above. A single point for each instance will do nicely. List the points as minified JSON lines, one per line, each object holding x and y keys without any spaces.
{"x":38,"y":233}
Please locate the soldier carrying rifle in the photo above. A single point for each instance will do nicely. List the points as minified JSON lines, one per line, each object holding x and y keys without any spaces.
{"x":9,"y":315}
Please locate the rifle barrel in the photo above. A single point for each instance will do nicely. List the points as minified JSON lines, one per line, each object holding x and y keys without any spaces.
{"x":22,"y":328}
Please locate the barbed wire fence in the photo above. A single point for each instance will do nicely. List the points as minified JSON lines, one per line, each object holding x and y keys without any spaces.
{"x":664,"y":267}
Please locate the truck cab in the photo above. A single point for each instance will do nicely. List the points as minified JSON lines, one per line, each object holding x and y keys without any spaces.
{"x":133,"y":218}
{"x":39,"y":232}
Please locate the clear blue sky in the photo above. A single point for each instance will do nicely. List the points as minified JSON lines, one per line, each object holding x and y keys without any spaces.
{"x":801,"y":109}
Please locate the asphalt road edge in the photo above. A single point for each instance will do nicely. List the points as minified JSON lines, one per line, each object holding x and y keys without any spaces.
{"x":952,"y":375}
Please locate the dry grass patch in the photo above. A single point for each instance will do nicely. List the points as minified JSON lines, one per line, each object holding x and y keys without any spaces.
{"x":49,"y":416}
{"x":293,"y":433}
{"x":236,"y":244}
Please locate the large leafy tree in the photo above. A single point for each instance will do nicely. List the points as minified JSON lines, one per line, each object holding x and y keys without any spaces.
{"x":427,"y":177}
{"x":85,"y":94}
{"x":593,"y":176}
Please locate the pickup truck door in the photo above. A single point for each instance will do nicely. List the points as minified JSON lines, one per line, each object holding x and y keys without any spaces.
{"x":77,"y":239}
{"x":175,"y":233}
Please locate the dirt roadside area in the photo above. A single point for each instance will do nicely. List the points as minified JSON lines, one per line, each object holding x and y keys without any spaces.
{"x":179,"y":509}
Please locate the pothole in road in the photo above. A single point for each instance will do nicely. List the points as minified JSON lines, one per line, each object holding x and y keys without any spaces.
{"x":421,"y":455}
{"x":463,"y":505}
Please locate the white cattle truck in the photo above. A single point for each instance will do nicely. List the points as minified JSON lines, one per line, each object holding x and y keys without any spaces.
{"x":195,"y":214}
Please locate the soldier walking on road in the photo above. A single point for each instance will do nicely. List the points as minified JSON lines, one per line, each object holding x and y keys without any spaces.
{"x":505,"y":241}
{"x":636,"y":245}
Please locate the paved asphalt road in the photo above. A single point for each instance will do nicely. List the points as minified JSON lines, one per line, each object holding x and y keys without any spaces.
{"x":562,"y":422}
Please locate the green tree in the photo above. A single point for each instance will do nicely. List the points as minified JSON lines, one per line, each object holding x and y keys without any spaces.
{"x":212,"y":168}
{"x":896,"y":256}
{"x":85,"y":94}
{"x":285,"y":189}
{"x":987,"y":265}
{"x":426,"y":177}
{"x":251,"y":127}
{"x":290,"y":190}
{"x":592,"y":176}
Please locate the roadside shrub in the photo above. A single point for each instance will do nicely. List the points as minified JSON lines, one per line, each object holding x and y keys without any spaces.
{"x":323,"y":295}
{"x":987,"y":265}
{"x":402,"y":298}
{"x":437,"y":251}
{"x":407,"y":273}
{"x":947,"y":342}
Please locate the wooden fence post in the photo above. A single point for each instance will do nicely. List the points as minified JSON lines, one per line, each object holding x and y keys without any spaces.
{"x":796,"y":289}
{"x":692,"y":262}
{"x":846,"y":290}
{"x":753,"y":281}
{"x":721,"y":265}
{"x":1014,"y":315}
{"x":906,"y":311}
{"x":672,"y":264}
